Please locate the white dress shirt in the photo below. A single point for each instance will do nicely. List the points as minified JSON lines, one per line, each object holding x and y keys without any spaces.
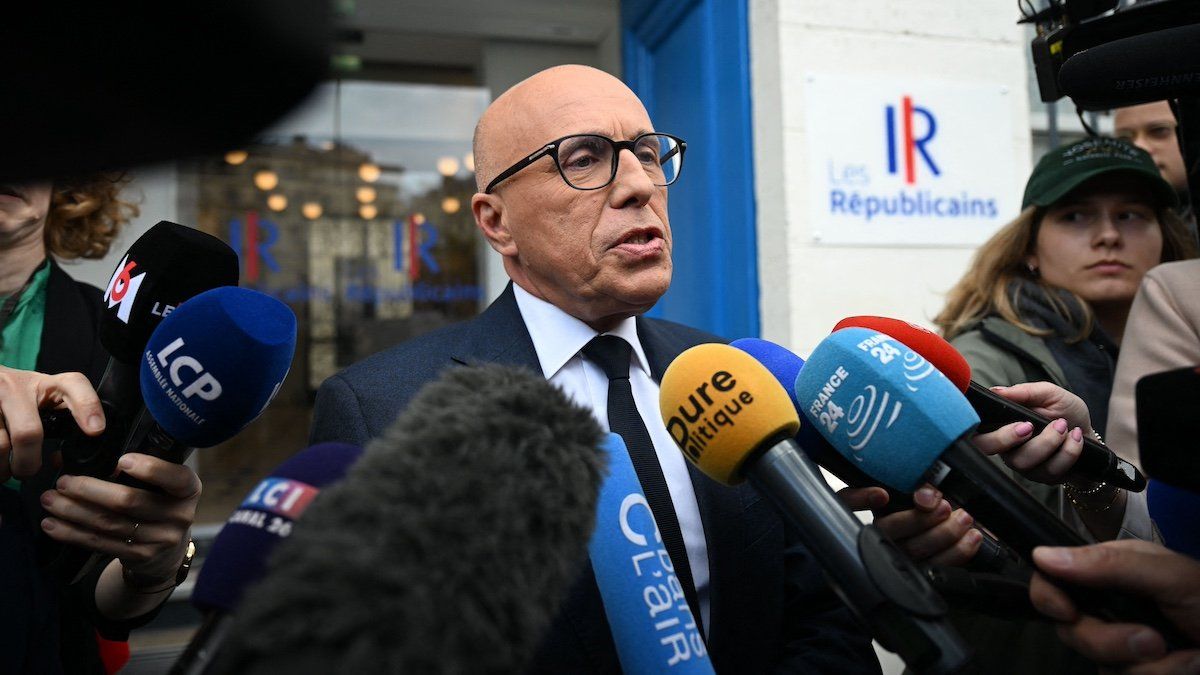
{"x":558,"y":337}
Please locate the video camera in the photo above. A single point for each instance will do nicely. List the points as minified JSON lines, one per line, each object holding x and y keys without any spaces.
{"x":1104,"y":56}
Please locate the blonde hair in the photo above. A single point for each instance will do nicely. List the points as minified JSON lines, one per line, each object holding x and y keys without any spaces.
{"x":987,"y":288}
{"x":86,"y":214}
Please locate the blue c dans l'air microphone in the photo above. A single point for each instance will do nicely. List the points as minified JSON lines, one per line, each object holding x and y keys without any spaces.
{"x":992,"y":556}
{"x":887,"y":410}
{"x":239,"y":554}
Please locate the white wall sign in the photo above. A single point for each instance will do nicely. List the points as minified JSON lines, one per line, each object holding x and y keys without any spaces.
{"x":905,"y":162}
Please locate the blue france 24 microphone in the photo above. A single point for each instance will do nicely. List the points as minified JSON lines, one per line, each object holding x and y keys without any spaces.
{"x":992,"y":556}
{"x":887,"y":410}
{"x":239,"y":554}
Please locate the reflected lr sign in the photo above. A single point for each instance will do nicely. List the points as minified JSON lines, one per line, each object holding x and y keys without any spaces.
{"x":421,"y":236}
{"x":252,"y":240}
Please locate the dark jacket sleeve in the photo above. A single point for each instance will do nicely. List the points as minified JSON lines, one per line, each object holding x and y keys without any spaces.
{"x":338,"y":415}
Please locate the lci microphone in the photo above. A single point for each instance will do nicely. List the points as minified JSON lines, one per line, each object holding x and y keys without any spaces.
{"x":239,"y":554}
{"x":1096,"y":462}
{"x":734,"y":422}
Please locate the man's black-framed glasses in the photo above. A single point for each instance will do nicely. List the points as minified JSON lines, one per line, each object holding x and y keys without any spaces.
{"x":589,"y":161}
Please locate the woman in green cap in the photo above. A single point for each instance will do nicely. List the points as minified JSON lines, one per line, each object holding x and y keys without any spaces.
{"x":1046,"y":299}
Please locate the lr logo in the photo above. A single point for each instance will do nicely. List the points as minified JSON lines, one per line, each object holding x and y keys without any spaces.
{"x":421,"y":236}
{"x":910,"y":142}
{"x":252,"y":240}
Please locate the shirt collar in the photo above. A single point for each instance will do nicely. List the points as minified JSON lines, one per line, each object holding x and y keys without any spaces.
{"x":558,"y":336}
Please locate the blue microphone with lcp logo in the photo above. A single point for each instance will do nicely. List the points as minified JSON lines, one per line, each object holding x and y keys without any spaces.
{"x":212,"y":366}
{"x":209,"y":368}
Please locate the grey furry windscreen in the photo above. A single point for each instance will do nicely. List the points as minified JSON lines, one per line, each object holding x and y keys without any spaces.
{"x":449,"y":546}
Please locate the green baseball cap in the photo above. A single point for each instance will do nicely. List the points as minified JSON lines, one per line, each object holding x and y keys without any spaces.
{"x":1067,"y":167}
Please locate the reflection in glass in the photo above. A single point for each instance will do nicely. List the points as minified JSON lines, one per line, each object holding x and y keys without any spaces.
{"x":266,"y":180}
{"x":369,"y":172}
{"x":447,"y":166}
{"x":360,"y":234}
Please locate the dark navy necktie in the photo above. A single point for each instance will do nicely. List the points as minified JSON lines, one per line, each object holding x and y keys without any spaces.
{"x":612,"y":354}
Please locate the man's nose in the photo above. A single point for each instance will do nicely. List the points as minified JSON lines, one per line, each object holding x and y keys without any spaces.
{"x":632,"y":186}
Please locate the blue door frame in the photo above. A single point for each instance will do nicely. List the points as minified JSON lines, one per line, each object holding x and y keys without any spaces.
{"x":689,"y":62}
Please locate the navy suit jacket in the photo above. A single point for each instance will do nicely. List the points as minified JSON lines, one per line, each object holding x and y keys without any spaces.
{"x":771,"y":609}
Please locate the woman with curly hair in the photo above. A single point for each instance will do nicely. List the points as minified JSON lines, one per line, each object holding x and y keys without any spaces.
{"x":49,"y":330}
{"x":44,"y":308}
{"x":1046,"y":299}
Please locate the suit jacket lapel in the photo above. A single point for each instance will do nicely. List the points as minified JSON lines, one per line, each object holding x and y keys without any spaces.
{"x":499,"y":335}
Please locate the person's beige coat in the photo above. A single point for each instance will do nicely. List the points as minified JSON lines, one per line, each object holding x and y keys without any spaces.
{"x":1162,"y":333}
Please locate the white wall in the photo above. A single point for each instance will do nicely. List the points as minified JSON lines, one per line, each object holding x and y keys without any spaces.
{"x":807,"y":286}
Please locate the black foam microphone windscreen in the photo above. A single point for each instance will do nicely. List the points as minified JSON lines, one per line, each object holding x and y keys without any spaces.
{"x":1149,"y":67}
{"x":1168,"y":424}
{"x":449,"y":546}
{"x":168,"y":264}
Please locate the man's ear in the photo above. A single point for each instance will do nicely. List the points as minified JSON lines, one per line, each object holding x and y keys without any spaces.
{"x":488,"y":211}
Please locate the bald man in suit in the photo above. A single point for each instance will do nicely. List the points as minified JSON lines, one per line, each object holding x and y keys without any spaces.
{"x":581,"y":225}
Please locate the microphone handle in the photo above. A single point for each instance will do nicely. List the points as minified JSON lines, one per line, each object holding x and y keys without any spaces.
{"x":867,"y":571}
{"x":202,"y":651}
{"x":993,"y":556}
{"x":1005,"y":596}
{"x":1096,"y":462}
{"x":148,"y":438}
{"x":969,"y":478}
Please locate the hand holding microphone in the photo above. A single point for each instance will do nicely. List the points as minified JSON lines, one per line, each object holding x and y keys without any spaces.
{"x":924,"y":526}
{"x":1171,"y":580}
{"x":22,"y":394}
{"x":733,"y":420}
{"x":1050,"y":455}
{"x":209,"y":368}
{"x":1095,"y":462}
{"x":888,"y":409}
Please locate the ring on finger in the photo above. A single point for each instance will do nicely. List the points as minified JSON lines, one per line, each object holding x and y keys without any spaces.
{"x":132,"y":533}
